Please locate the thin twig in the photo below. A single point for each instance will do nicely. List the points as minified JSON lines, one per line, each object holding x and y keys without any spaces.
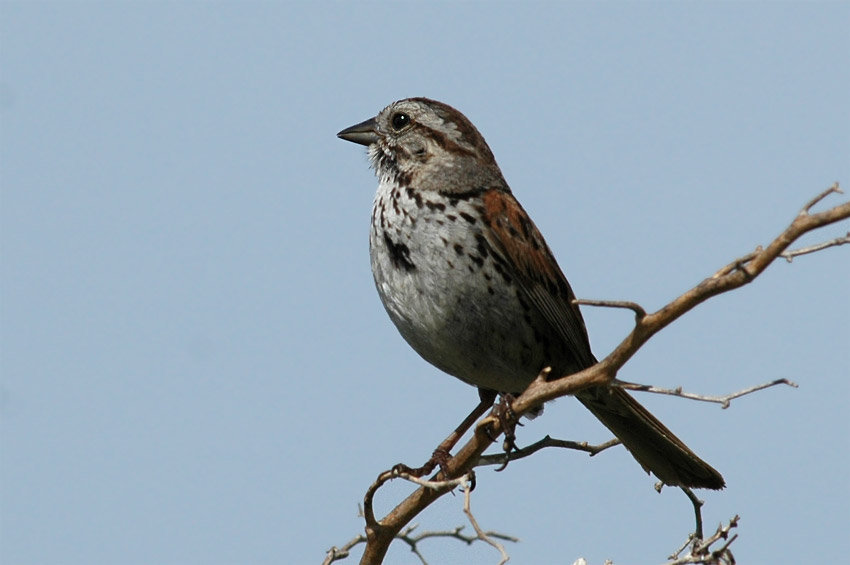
{"x":499,"y":458}
{"x":337,"y":554}
{"x":633,"y":306}
{"x":701,"y":552}
{"x":434,"y":485}
{"x":807,"y":208}
{"x":682,"y":547}
{"x":413,"y":541}
{"x":741,"y":264}
{"x":789,"y":255}
{"x":482,"y":535}
{"x":697,"y":510}
{"x":724,"y":401}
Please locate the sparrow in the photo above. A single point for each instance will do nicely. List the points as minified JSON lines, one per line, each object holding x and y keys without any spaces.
{"x":470,"y":283}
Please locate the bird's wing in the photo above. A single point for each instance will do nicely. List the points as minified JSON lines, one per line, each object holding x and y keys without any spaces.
{"x":522,"y":252}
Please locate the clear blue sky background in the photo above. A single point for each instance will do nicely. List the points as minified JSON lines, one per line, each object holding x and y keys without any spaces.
{"x":195,"y":364}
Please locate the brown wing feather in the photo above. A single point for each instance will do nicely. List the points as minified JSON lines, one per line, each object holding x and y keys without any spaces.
{"x":529,"y":260}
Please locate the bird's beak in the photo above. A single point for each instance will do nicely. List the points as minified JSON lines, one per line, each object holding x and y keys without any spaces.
{"x":363,"y":133}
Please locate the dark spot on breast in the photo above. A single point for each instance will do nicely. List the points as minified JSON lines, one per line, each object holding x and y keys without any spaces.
{"x":467,"y":217}
{"x":414,"y":195}
{"x":482,"y":244}
{"x":498,"y":259}
{"x":501,"y":270}
{"x":490,"y":289}
{"x":451,"y":217}
{"x":477,"y":260}
{"x":399,"y":254}
{"x":435,"y":206}
{"x":458,"y":248}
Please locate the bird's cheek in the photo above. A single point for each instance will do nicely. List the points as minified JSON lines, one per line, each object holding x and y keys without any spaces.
{"x":419,"y":152}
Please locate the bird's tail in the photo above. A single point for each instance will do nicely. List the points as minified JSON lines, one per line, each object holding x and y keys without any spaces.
{"x":649,"y":441}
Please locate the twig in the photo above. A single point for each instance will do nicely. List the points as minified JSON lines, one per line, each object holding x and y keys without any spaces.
{"x":797,"y":228}
{"x":499,"y":458}
{"x":789,"y":255}
{"x":697,"y":511}
{"x":482,"y":535}
{"x":406,"y":536}
{"x":738,"y":273}
{"x":633,"y":306}
{"x":456,"y":533}
{"x":701,"y":552}
{"x":434,"y":485}
{"x":337,"y":554}
{"x":724,"y":401}
{"x":807,"y":208}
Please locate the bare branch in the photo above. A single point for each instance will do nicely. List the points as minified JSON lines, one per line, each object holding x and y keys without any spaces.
{"x":482,"y":535}
{"x":789,"y":255}
{"x":413,"y":541}
{"x":634,"y":306}
{"x":701,"y":552}
{"x":500,"y":458}
{"x":807,"y":208}
{"x":338,"y":554}
{"x":724,"y":401}
{"x":697,"y":511}
{"x":738,"y":273}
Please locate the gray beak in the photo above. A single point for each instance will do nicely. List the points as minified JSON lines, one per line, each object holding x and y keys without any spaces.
{"x":363,"y":133}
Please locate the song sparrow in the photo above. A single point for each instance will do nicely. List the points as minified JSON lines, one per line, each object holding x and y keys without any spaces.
{"x":470,"y":283}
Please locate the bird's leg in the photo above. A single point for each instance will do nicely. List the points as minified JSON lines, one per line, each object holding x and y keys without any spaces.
{"x":443,"y":452}
{"x":508,"y":421}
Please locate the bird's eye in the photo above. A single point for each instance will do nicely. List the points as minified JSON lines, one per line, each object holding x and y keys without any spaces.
{"x":400,"y":120}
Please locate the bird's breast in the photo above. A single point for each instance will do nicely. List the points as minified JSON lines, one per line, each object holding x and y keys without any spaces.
{"x":444,"y":289}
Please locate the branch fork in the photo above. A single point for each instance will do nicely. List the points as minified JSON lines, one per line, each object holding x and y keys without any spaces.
{"x":741,"y":271}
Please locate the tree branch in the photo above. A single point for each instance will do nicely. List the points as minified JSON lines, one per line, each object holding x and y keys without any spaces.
{"x":724,"y":401}
{"x":701,"y":552}
{"x":501,"y":458}
{"x":738,"y":273}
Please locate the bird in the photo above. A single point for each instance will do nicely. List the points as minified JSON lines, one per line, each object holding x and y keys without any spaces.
{"x":472,"y":286}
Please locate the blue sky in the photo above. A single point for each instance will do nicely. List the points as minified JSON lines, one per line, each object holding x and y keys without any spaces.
{"x":196,"y":367}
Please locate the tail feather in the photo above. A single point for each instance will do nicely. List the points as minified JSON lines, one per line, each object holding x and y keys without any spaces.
{"x":655,"y":447}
